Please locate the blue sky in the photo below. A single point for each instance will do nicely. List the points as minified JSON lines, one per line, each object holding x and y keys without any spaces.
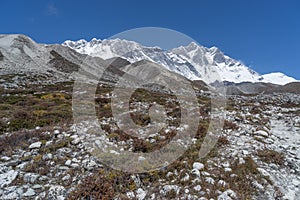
{"x":264,"y":34}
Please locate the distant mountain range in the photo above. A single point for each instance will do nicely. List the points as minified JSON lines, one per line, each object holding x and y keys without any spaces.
{"x":193,"y":61}
{"x":23,"y":62}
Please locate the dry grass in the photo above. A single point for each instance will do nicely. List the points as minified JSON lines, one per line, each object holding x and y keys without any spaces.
{"x":271,"y":156}
{"x":21,"y":139}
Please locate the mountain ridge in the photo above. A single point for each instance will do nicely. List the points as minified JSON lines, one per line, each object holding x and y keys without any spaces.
{"x":193,"y":61}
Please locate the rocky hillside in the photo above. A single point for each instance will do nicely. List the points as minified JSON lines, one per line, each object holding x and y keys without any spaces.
{"x":48,"y":152}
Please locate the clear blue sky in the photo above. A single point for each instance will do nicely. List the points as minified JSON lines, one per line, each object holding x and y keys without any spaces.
{"x":264,"y":34}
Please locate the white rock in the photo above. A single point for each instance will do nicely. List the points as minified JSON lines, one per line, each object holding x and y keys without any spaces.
{"x":57,"y":192}
{"x":141,"y":194}
{"x":296,"y":182}
{"x":30,"y":177}
{"x":30,"y":192}
{"x":227,"y":169}
{"x":185,"y":178}
{"x":37,"y":186}
{"x":7,"y":178}
{"x":196,"y":172}
{"x":245,"y":152}
{"x":130,"y":195}
{"x":210,"y":180}
{"x":21,"y":166}
{"x":141,"y":158}
{"x":48,"y":143}
{"x":114,"y":152}
{"x":241,"y":161}
{"x":12,"y":192}
{"x":76,"y":141}
{"x":263,"y":171}
{"x":168,"y":188}
{"x":152,"y":196}
{"x":89,"y":164}
{"x":198,"y":165}
{"x":261,"y":133}
{"x":47,"y":156}
{"x":227,"y":195}
{"x":35,"y":145}
{"x":68,"y":162}
{"x":56,"y":132}
{"x":222,"y":183}
{"x":204,"y":173}
{"x":75,"y":160}
{"x":5,"y":158}
{"x":226,"y":164}
{"x":197,"y":188}
{"x":66,"y":177}
{"x":169,"y":174}
{"x":75,"y":165}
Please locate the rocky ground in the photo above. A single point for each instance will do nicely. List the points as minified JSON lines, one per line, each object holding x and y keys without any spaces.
{"x":256,"y":156}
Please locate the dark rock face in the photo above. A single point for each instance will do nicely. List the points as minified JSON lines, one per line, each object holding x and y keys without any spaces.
{"x":62,"y":64}
{"x":1,"y":56}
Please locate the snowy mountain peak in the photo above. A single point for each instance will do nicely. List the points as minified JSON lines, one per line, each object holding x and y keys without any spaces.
{"x":277,"y":77}
{"x":193,"y":61}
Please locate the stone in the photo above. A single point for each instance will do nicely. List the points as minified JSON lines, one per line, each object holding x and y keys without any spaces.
{"x":37,"y":186}
{"x":227,"y":169}
{"x":141,"y":158}
{"x":21,"y":166}
{"x":196,"y":172}
{"x":8,"y":177}
{"x":210,"y":180}
{"x":167,"y":188}
{"x":261,"y":133}
{"x":185,"y":178}
{"x":66,"y":178}
{"x":5,"y":158}
{"x":296,"y":182}
{"x":12,"y":192}
{"x":75,"y":141}
{"x":227,"y":195}
{"x":57,"y":192}
{"x":35,"y":145}
{"x":30,"y":177}
{"x":75,"y":165}
{"x":198,"y":166}
{"x":130,"y":195}
{"x":47,"y":156}
{"x":141,"y":194}
{"x":30,"y":192}
{"x":68,"y":162}
{"x":89,"y":164}
{"x":197,"y":188}
{"x":221,"y":183}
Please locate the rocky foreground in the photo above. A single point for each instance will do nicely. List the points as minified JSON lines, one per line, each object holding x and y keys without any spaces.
{"x":43,"y":156}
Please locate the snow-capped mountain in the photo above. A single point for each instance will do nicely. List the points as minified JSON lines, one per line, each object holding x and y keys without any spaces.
{"x":134,"y":52}
{"x":277,"y":77}
{"x":193,"y":61}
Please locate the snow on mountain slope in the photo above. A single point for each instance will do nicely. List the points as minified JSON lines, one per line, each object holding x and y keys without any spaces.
{"x":134,"y":52}
{"x":277,"y":77}
{"x":215,"y":65}
{"x":193,"y":61}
